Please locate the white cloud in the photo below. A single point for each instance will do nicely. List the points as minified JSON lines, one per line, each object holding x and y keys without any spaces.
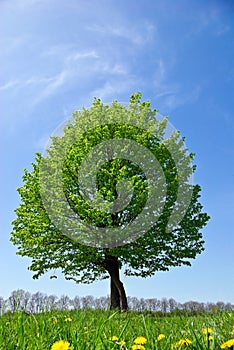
{"x":33,"y":81}
{"x":10,"y":84}
{"x":37,"y":81}
{"x":209,"y":18}
{"x":76,"y":66}
{"x":159,"y":73}
{"x":111,"y":68}
{"x":84,"y":55}
{"x":171,"y":100}
{"x":136,"y":35}
{"x":54,"y":84}
{"x":114,"y":88}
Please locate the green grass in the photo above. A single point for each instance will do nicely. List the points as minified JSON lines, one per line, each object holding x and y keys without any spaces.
{"x":92,"y":329}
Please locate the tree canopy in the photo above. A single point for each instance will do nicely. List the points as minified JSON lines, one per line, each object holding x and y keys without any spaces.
{"x":113,"y":191}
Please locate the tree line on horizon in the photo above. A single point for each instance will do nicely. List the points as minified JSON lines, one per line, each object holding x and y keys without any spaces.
{"x":38,"y":302}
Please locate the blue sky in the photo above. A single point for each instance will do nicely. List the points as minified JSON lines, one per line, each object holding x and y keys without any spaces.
{"x":56,"y":55}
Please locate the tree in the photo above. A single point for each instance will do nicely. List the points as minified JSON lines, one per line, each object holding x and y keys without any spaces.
{"x":37,"y":302}
{"x":63,"y":303}
{"x":113,"y":192}
{"x":2,"y":305}
{"x":76,"y":303}
{"x":15,"y":300}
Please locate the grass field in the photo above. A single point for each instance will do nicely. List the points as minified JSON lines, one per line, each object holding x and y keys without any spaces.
{"x":97,"y":329}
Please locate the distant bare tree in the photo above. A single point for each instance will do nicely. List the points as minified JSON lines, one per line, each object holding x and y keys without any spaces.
{"x":221,"y":305}
{"x":20,"y":300}
{"x":143,"y":304}
{"x":63,"y":303}
{"x":164,"y":305}
{"x":50,"y":302}
{"x":211,"y":307}
{"x":37,"y":302}
{"x":132,"y":303}
{"x":172,"y":304}
{"x":151,"y":304}
{"x":2,"y":305}
{"x":87,"y":302}
{"x":25,"y":300}
{"x":186,"y":306}
{"x":16,"y":300}
{"x":191,"y":306}
{"x":76,"y":303}
{"x":101,"y":303}
{"x":228,"y":307}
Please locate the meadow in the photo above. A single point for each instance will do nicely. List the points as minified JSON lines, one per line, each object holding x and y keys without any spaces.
{"x":99,"y":329}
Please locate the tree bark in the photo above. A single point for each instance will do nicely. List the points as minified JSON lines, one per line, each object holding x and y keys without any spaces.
{"x":118,"y":295}
{"x":114,"y":296}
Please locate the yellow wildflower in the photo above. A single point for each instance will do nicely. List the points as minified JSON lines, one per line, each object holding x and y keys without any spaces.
{"x":183,"y":342}
{"x":207,"y":331}
{"x":160,"y":337}
{"x":122,"y":342}
{"x":68,"y":319}
{"x":60,"y":345}
{"x":114,"y":338}
{"x":228,"y":344}
{"x":140,"y":340}
{"x":8,"y":323}
{"x":55,"y":320}
{"x":138,"y":347}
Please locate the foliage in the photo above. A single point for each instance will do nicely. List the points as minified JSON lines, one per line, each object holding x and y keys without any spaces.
{"x":50,"y":248}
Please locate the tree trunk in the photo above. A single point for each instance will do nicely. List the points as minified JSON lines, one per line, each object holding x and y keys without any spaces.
{"x":118,"y":295}
{"x":114,"y":296}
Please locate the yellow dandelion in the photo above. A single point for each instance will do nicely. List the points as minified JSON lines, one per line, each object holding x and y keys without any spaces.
{"x":55,"y":320}
{"x":61,"y":345}
{"x":207,"y":331}
{"x":68,"y":319}
{"x":8,"y":322}
{"x":160,"y":337}
{"x":227,"y":344}
{"x":140,"y":340}
{"x":183,"y":342}
{"x":138,"y":347}
{"x":122,"y":342}
{"x":114,"y":338}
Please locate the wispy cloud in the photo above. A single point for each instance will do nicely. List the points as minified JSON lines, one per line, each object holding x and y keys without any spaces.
{"x":109,"y":63}
{"x":10,"y":84}
{"x":136,"y":35}
{"x":76,"y":65}
{"x":111,"y":89}
{"x":159,"y":73}
{"x":56,"y":82}
{"x":168,"y":93}
{"x":210,"y":18}
{"x":172,"y":100}
{"x":33,"y":81}
{"x":82,"y":55}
